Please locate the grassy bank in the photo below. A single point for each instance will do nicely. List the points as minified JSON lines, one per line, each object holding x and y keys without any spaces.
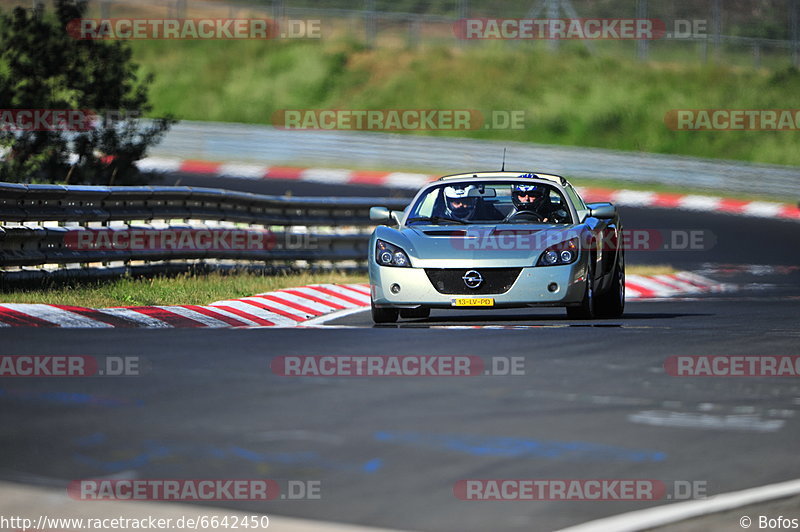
{"x":195,"y":289}
{"x":179,"y":290}
{"x":569,"y":98}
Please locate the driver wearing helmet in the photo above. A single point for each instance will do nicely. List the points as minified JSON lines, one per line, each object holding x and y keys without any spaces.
{"x":535,"y":199}
{"x":458,"y":203}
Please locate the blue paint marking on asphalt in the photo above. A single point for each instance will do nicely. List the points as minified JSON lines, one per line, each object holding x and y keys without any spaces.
{"x":151,"y":451}
{"x":373,"y":465}
{"x":68,"y":398}
{"x":519,"y":447}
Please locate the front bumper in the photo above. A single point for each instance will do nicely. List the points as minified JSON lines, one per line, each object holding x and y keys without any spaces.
{"x":529,"y":290}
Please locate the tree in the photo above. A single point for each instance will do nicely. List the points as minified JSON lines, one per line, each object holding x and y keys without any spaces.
{"x":44,"y":68}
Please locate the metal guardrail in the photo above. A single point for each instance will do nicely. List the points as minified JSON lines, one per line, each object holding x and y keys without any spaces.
{"x":256,"y":144}
{"x":41,"y":226}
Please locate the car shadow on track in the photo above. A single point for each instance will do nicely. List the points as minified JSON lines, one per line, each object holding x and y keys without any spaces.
{"x":536,"y":320}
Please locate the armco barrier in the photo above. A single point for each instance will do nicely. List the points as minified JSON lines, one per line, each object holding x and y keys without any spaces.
{"x":40,"y":225}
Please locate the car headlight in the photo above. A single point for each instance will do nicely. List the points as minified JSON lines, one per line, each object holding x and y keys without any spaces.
{"x":562,"y":253}
{"x":387,"y":254}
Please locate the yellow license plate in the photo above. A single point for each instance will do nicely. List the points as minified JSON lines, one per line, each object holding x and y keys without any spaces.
{"x":472,"y":302}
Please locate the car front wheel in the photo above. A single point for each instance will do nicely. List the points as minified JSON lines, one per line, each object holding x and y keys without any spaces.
{"x":586,"y":309}
{"x":612,"y":303}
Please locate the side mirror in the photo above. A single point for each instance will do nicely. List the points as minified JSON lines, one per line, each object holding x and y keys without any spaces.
{"x":384,"y":215}
{"x":603,"y":211}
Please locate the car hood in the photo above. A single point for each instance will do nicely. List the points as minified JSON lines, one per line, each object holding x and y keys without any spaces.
{"x":487,"y":245}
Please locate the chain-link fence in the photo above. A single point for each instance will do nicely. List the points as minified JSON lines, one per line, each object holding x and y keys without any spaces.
{"x":744,"y":32}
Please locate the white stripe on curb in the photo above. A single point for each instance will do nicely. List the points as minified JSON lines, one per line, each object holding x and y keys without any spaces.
{"x":158,"y":164}
{"x":326,"y":175}
{"x":242,"y":171}
{"x":700,"y":203}
{"x":208,"y":321}
{"x":762,"y":208}
{"x":283,"y":307}
{"x":634,"y":198}
{"x":303,"y":301}
{"x":137,"y":317}
{"x":676,"y":512}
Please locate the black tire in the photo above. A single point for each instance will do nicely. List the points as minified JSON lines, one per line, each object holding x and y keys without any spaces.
{"x":384,"y":315}
{"x":421,"y":312}
{"x":611,"y":304}
{"x":586,"y":310}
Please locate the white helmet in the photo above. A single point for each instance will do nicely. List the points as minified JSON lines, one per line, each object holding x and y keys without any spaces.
{"x":458,"y":203}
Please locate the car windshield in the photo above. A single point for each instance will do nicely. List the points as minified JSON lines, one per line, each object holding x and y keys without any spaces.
{"x":523,"y":201}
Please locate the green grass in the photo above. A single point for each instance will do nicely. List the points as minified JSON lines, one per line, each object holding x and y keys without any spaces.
{"x":651,"y":269}
{"x":569,"y":97}
{"x":181,"y":290}
{"x":196,"y":289}
{"x":673,"y":189}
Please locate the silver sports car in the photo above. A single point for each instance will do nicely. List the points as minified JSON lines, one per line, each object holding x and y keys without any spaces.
{"x":497,"y":240}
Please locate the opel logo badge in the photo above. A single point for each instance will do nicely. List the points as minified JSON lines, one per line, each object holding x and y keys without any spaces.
{"x":472,"y":279}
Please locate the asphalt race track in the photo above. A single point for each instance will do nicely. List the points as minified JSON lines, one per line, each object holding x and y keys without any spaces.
{"x":594,"y":400}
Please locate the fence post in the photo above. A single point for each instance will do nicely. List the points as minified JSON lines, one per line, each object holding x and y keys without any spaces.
{"x":716,"y":22}
{"x":552,"y":13}
{"x":794,"y":22}
{"x":463,"y":9}
{"x":642,"y":44}
{"x":413,"y":31}
{"x":278,"y":11}
{"x":370,"y":23}
{"x":180,"y":8}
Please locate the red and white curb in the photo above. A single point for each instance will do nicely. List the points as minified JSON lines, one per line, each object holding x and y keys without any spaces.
{"x":302,"y":306}
{"x":289,"y":307}
{"x":338,"y":176}
{"x":680,"y":284}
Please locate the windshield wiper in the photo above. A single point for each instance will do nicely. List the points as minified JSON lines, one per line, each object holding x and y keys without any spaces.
{"x":436,"y":219}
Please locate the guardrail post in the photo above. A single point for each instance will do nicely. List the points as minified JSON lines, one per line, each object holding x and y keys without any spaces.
{"x":794,"y":23}
{"x":642,"y":45}
{"x":370,"y":23}
{"x":716,"y":24}
{"x":413,"y":32}
{"x":278,"y":11}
